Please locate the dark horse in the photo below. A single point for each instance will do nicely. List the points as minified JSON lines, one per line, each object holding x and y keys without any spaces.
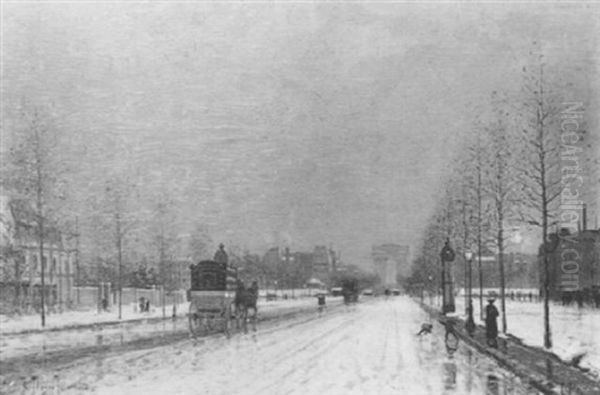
{"x":245,"y":300}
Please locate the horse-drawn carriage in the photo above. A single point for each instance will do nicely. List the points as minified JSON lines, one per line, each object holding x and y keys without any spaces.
{"x":218,"y":298}
{"x":350,"y":290}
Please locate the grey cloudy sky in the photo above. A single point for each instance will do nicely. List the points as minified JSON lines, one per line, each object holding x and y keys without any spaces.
{"x":275,"y":123}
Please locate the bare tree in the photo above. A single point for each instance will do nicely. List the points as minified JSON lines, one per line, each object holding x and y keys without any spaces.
{"x":32,"y":173}
{"x":540,"y":172}
{"x":474,"y":170}
{"x":116,"y":218}
{"x":499,"y":186}
{"x":164,"y":237}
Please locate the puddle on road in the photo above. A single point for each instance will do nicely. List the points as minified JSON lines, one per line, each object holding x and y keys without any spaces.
{"x":464,"y":371}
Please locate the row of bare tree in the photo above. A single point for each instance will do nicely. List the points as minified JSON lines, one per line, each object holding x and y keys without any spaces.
{"x":509,"y":174}
{"x":114,"y":218}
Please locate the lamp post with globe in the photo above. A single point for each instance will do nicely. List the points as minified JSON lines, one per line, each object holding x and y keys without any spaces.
{"x":447,"y":257}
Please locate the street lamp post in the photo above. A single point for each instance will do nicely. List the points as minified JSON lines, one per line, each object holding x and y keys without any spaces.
{"x":447,"y":257}
{"x":470,"y":324}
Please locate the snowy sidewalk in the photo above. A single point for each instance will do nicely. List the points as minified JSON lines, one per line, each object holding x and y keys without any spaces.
{"x":11,"y":325}
{"x":547,"y":371}
{"x":75,"y":319}
{"x":574,"y":331}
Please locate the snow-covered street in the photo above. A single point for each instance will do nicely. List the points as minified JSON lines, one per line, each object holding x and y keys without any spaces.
{"x":371,"y":348}
{"x":86,"y":329}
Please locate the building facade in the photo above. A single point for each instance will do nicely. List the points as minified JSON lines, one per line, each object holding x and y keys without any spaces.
{"x":21,"y":263}
{"x":321,"y":264}
{"x":574,"y":263}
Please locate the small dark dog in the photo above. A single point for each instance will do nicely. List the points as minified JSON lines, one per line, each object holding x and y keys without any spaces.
{"x":425,"y":328}
{"x":576,"y":360}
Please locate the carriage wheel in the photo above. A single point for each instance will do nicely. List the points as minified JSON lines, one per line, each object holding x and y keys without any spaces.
{"x":227,"y":321}
{"x":242,"y":316}
{"x":196,"y":322}
{"x":253,"y":319}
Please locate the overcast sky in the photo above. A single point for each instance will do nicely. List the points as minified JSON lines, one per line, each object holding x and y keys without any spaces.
{"x":281,"y":123}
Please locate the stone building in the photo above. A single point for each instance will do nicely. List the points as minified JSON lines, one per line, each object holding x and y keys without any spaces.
{"x":20,"y":261}
{"x":321,"y":263}
{"x":574,"y":263}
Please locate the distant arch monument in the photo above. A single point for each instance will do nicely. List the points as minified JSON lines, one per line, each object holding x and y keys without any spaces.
{"x":391,"y":261}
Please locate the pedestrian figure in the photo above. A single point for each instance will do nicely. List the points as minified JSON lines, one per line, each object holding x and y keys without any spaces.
{"x":491,"y":325}
{"x":579,"y":299}
{"x":147,"y":305}
{"x":530,"y":296}
{"x":104,"y":304}
{"x":142,"y":304}
{"x":321,"y":302}
{"x":387,"y":293}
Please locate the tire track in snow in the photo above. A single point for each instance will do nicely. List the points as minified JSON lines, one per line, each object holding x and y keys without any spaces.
{"x":318,"y":344}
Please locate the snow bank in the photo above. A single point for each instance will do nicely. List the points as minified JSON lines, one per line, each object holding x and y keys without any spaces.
{"x":573,"y":330}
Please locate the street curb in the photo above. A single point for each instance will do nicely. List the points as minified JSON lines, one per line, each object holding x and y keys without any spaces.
{"x":86,"y":326}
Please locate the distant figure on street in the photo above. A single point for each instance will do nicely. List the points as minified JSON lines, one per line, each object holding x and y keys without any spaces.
{"x":147,"y":306}
{"x":142,"y":304}
{"x":221,"y":255}
{"x":491,"y":325}
{"x":387,"y":293}
{"x":104,"y":304}
{"x":321,"y":302}
{"x":579,"y":298}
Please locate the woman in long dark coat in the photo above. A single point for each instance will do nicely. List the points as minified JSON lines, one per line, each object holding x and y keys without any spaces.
{"x":491,"y":325}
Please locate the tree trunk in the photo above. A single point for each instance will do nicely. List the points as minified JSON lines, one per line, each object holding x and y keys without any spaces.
{"x":41,"y":245}
{"x":18,"y":275}
{"x":119,"y":257}
{"x":502,"y":281}
{"x":547,"y":333}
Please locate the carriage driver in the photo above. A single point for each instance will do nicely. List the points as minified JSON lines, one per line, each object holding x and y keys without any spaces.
{"x":221,"y":255}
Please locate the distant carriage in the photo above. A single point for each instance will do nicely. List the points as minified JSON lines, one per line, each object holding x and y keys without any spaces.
{"x":350,"y":290}
{"x":212,"y":295}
